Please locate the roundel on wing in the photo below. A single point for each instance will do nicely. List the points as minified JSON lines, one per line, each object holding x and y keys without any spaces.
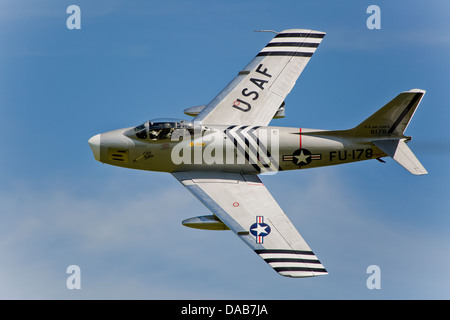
{"x":260,"y":229}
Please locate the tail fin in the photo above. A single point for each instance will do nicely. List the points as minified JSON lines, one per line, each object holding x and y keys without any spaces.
{"x":386,"y":126}
{"x":393,"y":118}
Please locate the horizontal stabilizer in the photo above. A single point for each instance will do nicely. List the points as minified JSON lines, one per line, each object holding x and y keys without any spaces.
{"x":399,"y":151}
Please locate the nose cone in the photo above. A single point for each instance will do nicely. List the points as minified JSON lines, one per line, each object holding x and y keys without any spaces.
{"x":94,"y":143}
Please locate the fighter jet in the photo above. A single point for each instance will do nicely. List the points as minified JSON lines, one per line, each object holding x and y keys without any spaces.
{"x":220,"y":153}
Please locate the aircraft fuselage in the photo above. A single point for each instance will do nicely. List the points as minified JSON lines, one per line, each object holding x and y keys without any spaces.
{"x":242,"y":149}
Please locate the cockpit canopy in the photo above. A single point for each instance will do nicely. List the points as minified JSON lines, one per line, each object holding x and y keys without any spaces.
{"x":160,"y":129}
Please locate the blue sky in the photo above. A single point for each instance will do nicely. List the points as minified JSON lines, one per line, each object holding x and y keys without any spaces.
{"x":133,"y":61}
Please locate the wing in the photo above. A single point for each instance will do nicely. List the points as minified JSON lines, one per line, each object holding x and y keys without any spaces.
{"x":256,"y":93}
{"x":243,"y":203}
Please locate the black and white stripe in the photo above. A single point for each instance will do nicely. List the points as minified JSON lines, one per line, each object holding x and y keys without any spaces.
{"x":292,"y":263}
{"x":408,"y":108}
{"x":293,"y":44}
{"x":318,"y":35}
{"x":247,"y":143}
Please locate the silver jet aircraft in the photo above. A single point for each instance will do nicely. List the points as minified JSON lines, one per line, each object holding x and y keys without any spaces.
{"x":219,"y":154}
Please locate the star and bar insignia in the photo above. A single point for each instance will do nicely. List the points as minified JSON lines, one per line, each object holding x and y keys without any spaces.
{"x":302,"y":157}
{"x":260,"y":229}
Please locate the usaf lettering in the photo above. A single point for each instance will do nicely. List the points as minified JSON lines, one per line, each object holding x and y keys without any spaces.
{"x":254,"y":95}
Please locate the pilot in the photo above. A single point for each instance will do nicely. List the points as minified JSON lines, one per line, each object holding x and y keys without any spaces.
{"x":166,"y":132}
{"x":154,"y":134}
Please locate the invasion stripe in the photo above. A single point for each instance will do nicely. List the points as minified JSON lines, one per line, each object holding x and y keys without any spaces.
{"x":297,"y":265}
{"x":298,"y":40}
{"x":247,"y":143}
{"x":281,"y":269}
{"x":250,"y":133}
{"x":235,"y":142}
{"x":295,"y":260}
{"x":263,"y":148}
{"x":263,"y":251}
{"x":288,"y":49}
{"x":292,"y":44}
{"x":239,"y":147}
{"x":297,"y":35}
{"x":285,"y":54}
{"x":253,"y":150}
{"x":238,"y":132}
{"x":285,"y":255}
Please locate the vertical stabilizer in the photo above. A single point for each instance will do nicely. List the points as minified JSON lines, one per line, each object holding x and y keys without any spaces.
{"x":386,"y":126}
{"x":394,"y":117}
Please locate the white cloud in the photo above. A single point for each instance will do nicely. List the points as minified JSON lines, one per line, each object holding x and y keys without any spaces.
{"x":349,"y":229}
{"x":44,"y":231}
{"x":129,"y":243}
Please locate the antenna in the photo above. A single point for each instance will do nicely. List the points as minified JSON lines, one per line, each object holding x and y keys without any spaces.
{"x":266,"y":31}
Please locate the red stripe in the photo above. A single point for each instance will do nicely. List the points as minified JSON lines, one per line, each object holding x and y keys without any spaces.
{"x":300,"y":142}
{"x":300,"y":135}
